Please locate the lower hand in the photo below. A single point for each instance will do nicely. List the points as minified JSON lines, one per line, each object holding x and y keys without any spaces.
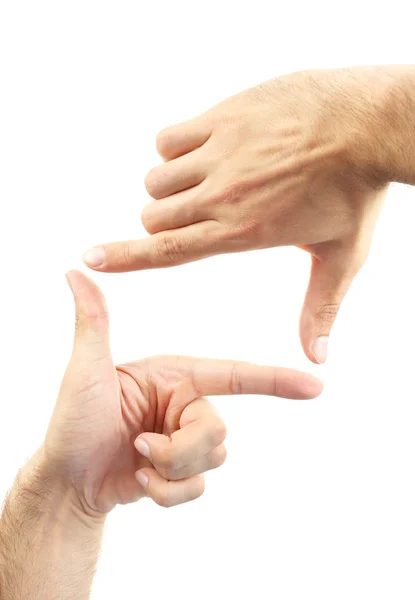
{"x":144,"y":429}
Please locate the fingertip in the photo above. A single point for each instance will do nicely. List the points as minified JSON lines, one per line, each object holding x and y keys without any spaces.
{"x":90,"y":306}
{"x":142,"y":479}
{"x":94,"y":258}
{"x":142,"y":447}
{"x":116,"y":257}
{"x":179,"y":139}
{"x":81,"y":284}
{"x":199,"y":487}
{"x":313,"y":387}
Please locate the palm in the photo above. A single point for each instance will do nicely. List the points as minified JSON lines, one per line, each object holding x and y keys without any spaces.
{"x":100,"y":411}
{"x":136,"y":397}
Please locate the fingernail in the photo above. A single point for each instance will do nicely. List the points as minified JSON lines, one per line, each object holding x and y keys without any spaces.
{"x":319,"y":348}
{"x":94,"y":257}
{"x":142,"y":448}
{"x":142,"y":479}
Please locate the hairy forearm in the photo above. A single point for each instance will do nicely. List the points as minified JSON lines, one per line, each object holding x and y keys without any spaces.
{"x":49,"y":546}
{"x":385,"y":109}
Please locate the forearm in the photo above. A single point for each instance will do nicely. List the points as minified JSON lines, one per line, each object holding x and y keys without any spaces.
{"x":385,"y":113}
{"x":49,"y":546}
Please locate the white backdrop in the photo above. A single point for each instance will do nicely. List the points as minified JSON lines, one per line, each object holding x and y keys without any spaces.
{"x":317,"y":498}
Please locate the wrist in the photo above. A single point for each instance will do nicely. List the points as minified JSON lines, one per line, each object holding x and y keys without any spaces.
{"x":60,"y":499}
{"x":49,"y":546}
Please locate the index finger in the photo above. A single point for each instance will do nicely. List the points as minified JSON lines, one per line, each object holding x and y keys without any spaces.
{"x":225,"y":377}
{"x":164,"y":249}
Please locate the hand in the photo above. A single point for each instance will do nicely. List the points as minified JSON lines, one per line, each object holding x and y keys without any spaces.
{"x":287,"y":163}
{"x":156,"y":404}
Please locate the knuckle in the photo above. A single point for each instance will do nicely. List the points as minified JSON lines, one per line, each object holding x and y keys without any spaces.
{"x":231,"y":193}
{"x":170,"y":250}
{"x":147,"y":219}
{"x":126,"y":256}
{"x":232,"y":235}
{"x":220,"y":457}
{"x":219,"y":433}
{"x":152,"y":181}
{"x":250,"y":228}
{"x":235,"y":124}
{"x":92,"y":322}
{"x":170,"y":461}
{"x":243,"y":233}
{"x":163,"y":141}
{"x":235,"y":382}
{"x":230,"y":120}
{"x":198,"y":488}
{"x":163,"y":498}
{"x":327,"y":313}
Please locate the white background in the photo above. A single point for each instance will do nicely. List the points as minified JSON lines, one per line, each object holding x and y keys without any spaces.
{"x":317,"y":498}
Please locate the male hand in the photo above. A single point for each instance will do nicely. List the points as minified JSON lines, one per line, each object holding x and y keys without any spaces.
{"x":295,"y":161}
{"x":144,"y":429}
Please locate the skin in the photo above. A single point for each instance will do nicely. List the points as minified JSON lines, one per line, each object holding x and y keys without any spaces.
{"x":117,"y":434}
{"x":302,"y":160}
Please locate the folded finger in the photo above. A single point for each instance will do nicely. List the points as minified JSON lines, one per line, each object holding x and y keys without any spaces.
{"x":199,"y":434}
{"x":169,"y":493}
{"x":183,"y":138}
{"x":212,"y":460}
{"x":174,"y":212}
{"x":175,"y":176}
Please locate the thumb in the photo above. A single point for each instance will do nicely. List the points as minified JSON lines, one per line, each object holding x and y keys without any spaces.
{"x":92,"y":325}
{"x":330,"y":279}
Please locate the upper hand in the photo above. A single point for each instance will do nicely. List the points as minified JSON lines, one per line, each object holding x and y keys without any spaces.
{"x":286,"y":163}
{"x":144,"y":429}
